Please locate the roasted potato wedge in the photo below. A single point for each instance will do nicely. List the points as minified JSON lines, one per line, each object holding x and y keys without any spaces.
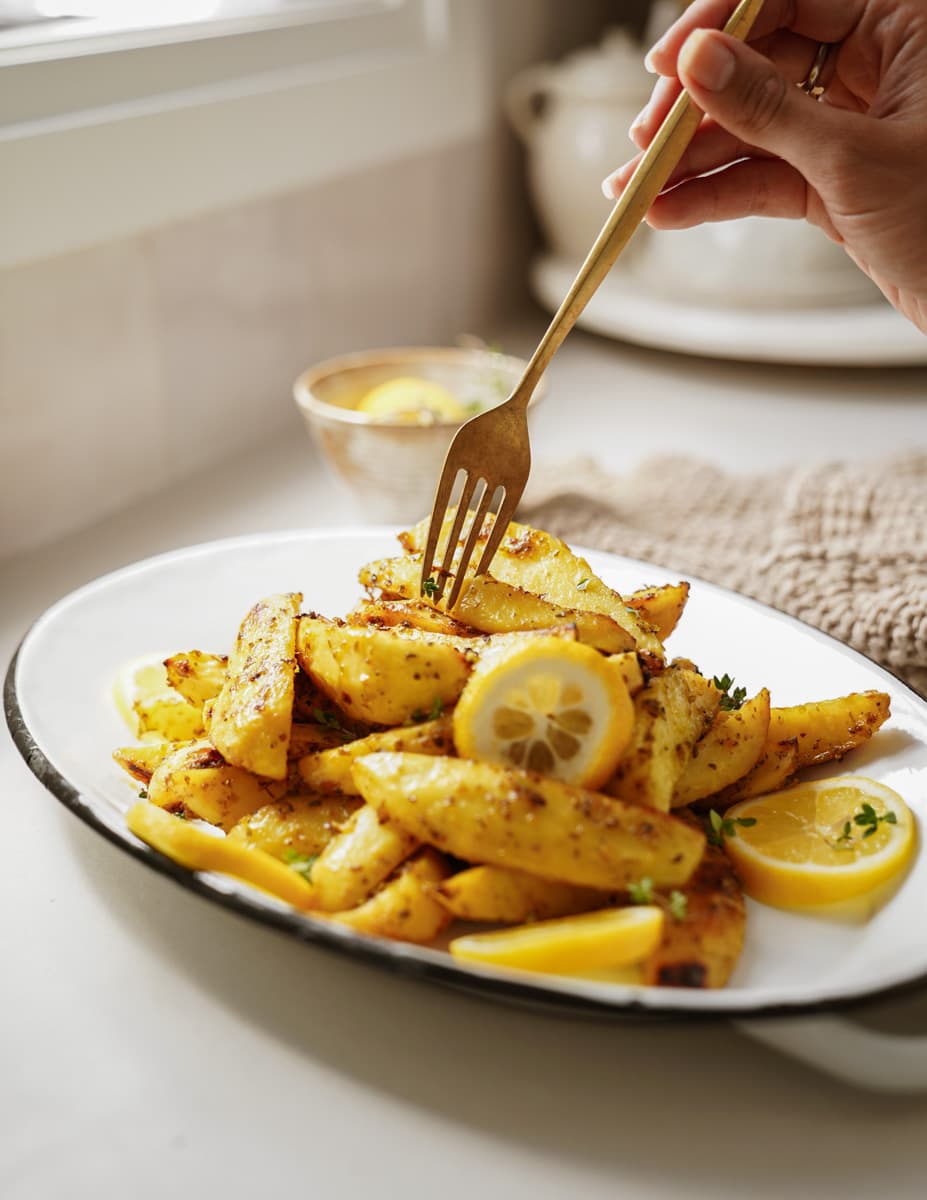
{"x":197,"y":781}
{"x":357,"y":860}
{"x":141,"y":761}
{"x":774,"y":770}
{"x":197,"y":676}
{"x":504,"y":896}
{"x":488,"y":814}
{"x":730,"y":748}
{"x":168,"y":718}
{"x":670,"y":715}
{"x":405,"y":907}
{"x":492,"y":606}
{"x":252,"y":715}
{"x":829,"y":729}
{"x":629,"y":668}
{"x":543,"y":565}
{"x":408,"y":614}
{"x":296,"y":825}
{"x":384,"y":676}
{"x":331,"y":770}
{"x":701,"y":949}
{"x":660,"y":607}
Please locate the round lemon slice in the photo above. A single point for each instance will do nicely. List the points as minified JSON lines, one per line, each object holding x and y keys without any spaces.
{"x":612,"y":937}
{"x":552,"y":706}
{"x":821,"y":843}
{"x":413,"y":401}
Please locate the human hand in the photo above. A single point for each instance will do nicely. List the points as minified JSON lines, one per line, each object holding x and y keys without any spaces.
{"x":854,"y":163}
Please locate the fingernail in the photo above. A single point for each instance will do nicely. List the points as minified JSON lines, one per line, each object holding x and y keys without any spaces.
{"x":649,"y":57}
{"x":708,"y":60}
{"x":608,"y":190}
{"x":639,"y":120}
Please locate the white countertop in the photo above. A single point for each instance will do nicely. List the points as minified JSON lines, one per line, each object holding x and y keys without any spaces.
{"x":153,"y":1044}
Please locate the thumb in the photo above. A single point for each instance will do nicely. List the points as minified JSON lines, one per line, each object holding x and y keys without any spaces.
{"x":745,"y":93}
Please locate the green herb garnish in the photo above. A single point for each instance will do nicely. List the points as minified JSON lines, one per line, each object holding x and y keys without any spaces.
{"x":330,"y":721}
{"x":678,"y":905}
{"x":302,"y":864}
{"x":143,"y":793}
{"x":582,"y":585}
{"x":725,"y":827}
{"x":642,"y":891}
{"x":730,"y":700}
{"x":868,"y":820}
{"x":430,"y":587}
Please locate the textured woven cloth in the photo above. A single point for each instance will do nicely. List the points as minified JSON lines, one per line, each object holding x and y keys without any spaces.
{"x":843,"y":547}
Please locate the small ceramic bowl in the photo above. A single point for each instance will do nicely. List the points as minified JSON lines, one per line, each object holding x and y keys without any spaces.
{"x":392,"y":468}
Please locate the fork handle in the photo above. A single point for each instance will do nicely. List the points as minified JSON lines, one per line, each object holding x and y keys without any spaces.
{"x":648,"y":181}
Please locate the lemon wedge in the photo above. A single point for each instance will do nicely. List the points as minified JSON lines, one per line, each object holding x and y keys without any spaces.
{"x":822,"y":842}
{"x":551,"y":706}
{"x":412,"y":401}
{"x":612,"y":937}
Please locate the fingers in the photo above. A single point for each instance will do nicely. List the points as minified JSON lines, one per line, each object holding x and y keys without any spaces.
{"x":711,"y":148}
{"x":755,"y":103}
{"x":791,"y":54}
{"x":819,"y":20}
{"x":754,"y":188}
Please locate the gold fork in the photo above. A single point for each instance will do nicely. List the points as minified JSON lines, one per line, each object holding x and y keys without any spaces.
{"x":492,"y":449}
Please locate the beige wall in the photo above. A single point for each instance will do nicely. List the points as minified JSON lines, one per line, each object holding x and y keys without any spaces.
{"x":128,"y":365}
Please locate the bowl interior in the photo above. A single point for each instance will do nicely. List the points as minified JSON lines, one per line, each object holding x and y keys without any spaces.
{"x":479,"y":379}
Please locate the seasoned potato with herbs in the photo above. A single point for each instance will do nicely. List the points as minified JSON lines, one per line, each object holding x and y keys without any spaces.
{"x":730,"y":748}
{"x":405,"y":907}
{"x":197,"y":676}
{"x":331,"y":770}
{"x":252,"y":715}
{"x":407,"y":614}
{"x":504,"y":817}
{"x":296,"y":827}
{"x":357,"y":860}
{"x":660,"y":607}
{"x":196,"y":781}
{"x":543,"y":565}
{"x":670,"y":715}
{"x":491,"y":606}
{"x":382,"y":676}
{"x":504,"y":896}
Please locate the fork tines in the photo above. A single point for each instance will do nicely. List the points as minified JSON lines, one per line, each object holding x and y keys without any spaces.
{"x":470,"y":528}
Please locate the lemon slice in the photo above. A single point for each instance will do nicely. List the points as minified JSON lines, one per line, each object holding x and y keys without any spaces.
{"x":551,"y":706}
{"x":416,"y":401}
{"x":821,"y":843}
{"x":613,"y":937}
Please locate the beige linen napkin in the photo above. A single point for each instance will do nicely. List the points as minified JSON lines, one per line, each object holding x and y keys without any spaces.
{"x":842,"y":546}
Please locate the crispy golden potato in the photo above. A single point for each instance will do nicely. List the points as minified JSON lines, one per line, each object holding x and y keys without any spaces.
{"x":543,"y":565}
{"x":702,"y":949}
{"x":670,"y":715}
{"x":730,"y":748}
{"x":505,"y":896}
{"x":197,"y":781}
{"x":296,"y":825}
{"x":252,"y":715}
{"x":629,"y":668}
{"x":384,"y":676}
{"x":489,"y":814}
{"x":774,"y":770}
{"x":407,"y":614}
{"x":405,"y":907}
{"x":141,"y":761}
{"x":829,"y":729}
{"x":491,"y":606}
{"x":168,"y":717}
{"x":660,"y":607}
{"x":357,"y":860}
{"x":197,"y":676}
{"x":331,"y":770}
